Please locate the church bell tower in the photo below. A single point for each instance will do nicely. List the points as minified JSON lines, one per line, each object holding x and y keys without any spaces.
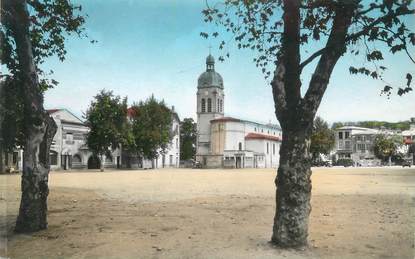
{"x":210,"y":105}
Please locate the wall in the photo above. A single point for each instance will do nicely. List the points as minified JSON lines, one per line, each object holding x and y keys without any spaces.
{"x":218,"y":138}
{"x":235,"y":134}
{"x":259,"y":146}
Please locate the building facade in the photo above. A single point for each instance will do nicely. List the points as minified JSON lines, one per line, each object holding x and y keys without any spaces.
{"x":69,"y":149}
{"x":357,"y":143}
{"x":226,"y":141}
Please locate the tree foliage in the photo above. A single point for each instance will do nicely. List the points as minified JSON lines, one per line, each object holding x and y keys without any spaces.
{"x":385,"y":146}
{"x":376,"y":28}
{"x":12,"y":127}
{"x":151,"y":127}
{"x":188,"y":134}
{"x":50,"y":23}
{"x":107,"y":119}
{"x":322,"y":138}
{"x":401,"y":125}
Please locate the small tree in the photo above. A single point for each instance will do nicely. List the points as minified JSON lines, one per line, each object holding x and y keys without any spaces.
{"x":151,"y":127}
{"x":385,"y":146}
{"x":27,"y":39}
{"x":107,"y":120}
{"x":322,"y":138}
{"x":188,"y":133}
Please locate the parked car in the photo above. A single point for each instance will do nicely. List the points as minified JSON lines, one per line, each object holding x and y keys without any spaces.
{"x":346,"y":162}
{"x":326,"y":163}
{"x":407,"y":163}
{"x":197,"y":164}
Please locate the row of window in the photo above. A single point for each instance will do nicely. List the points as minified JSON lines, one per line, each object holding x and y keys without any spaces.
{"x":209,"y":105}
{"x":345,"y":145}
{"x":361,"y":147}
{"x":346,"y":135}
{"x":363,"y":138}
{"x":262,"y":131}
{"x":73,"y":136}
{"x":273,"y":148}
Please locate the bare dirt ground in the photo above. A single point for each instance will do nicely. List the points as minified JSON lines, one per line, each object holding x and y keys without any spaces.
{"x":184,"y":213}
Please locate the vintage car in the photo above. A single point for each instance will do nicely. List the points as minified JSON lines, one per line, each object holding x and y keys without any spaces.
{"x":406,"y":162}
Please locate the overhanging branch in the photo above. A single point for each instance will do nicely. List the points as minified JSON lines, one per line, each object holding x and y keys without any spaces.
{"x":357,"y":35}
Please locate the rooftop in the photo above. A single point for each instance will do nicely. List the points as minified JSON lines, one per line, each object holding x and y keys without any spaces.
{"x":233,"y":119}
{"x":261,"y":136}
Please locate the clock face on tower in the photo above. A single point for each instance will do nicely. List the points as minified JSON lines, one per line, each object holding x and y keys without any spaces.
{"x":206,"y":93}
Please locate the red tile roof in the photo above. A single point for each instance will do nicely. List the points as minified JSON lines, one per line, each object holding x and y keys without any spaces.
{"x":225,"y":119}
{"x":261,"y":136}
{"x":408,"y":141}
{"x":130,"y":112}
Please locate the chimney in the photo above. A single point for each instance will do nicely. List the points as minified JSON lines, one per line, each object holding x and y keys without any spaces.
{"x":172,"y":108}
{"x":412,"y":125}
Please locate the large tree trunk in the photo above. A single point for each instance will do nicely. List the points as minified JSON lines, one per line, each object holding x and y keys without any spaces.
{"x":296,"y":114}
{"x":101,"y":165}
{"x":293,"y":192}
{"x":33,"y":204}
{"x":2,"y":111}
{"x":1,"y":159}
{"x":39,"y":126}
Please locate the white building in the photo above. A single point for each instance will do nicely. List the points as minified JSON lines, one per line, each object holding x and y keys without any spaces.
{"x":69,"y":149}
{"x":357,"y":143}
{"x":226,"y":141}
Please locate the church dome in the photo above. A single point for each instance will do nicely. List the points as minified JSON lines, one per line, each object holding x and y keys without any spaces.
{"x":210,"y":78}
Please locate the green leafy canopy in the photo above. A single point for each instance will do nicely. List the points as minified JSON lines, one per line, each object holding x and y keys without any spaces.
{"x":50,"y":23}
{"x":107,"y":119}
{"x":385,"y":146}
{"x":188,"y":135}
{"x":151,"y":127}
{"x":322,"y":138}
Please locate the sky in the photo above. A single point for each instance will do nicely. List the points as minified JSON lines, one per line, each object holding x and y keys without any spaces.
{"x":154,"y":47}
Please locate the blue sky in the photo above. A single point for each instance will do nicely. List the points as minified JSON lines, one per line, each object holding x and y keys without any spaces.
{"x":153,"y":47}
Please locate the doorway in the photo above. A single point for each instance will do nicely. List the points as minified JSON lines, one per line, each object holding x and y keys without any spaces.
{"x":94,"y":162}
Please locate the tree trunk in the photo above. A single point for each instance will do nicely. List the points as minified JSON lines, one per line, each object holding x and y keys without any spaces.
{"x":293,"y":191}
{"x":1,"y":159}
{"x":33,"y":204}
{"x":39,"y":126}
{"x":296,"y":115}
{"x":101,"y":167}
{"x":2,"y":111}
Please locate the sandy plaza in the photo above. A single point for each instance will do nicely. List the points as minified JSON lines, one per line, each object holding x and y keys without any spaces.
{"x":188,"y":213}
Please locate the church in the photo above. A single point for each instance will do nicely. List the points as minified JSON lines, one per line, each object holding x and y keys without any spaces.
{"x":228,"y":142}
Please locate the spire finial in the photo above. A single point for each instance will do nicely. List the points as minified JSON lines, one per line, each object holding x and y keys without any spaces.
{"x":210,"y":48}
